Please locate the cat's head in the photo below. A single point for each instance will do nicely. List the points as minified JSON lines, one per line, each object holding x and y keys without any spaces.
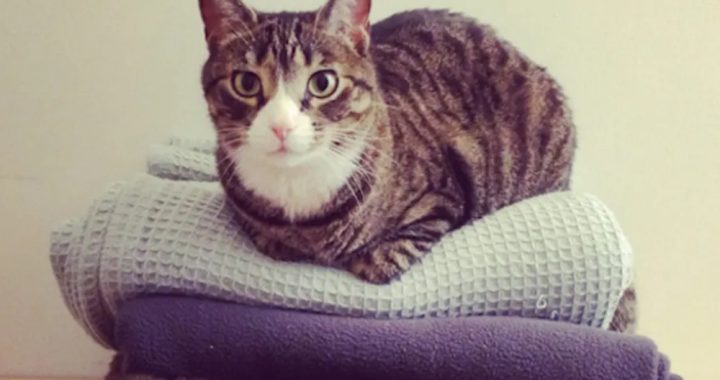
{"x":289,"y":89}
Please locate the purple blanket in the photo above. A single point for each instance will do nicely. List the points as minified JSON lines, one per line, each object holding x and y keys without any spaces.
{"x":180,"y":337}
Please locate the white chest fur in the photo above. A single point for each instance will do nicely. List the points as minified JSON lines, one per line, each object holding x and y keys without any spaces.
{"x":300,"y":190}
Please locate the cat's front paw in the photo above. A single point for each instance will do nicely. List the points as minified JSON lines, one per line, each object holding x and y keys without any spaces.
{"x":386,"y":262}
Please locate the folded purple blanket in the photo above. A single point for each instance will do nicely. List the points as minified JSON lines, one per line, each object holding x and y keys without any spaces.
{"x":173,"y":337}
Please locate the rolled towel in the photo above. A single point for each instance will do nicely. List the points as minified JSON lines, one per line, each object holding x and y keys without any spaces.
{"x":179,"y":163}
{"x":560,"y":256}
{"x":200,"y":145}
{"x":183,"y":159}
{"x":177,"y":337}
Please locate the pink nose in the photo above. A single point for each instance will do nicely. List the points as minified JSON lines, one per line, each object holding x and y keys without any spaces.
{"x":281,"y":132}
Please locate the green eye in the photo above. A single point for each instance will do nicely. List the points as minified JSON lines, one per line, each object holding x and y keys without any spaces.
{"x":323,"y":84}
{"x":246,"y":84}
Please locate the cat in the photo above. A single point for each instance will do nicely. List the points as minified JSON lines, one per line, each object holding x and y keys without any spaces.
{"x":359,"y":146}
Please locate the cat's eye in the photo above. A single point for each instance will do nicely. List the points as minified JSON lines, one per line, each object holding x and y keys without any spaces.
{"x":323,"y":84}
{"x":246,"y":84}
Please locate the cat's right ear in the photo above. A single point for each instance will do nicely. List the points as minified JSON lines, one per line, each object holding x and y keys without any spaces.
{"x":224,"y":17}
{"x":349,"y":18}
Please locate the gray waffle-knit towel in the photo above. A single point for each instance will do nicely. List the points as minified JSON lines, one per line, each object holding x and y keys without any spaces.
{"x":560,"y":256}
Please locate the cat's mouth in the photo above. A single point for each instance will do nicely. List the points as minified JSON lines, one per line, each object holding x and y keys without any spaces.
{"x":287,"y":158}
{"x":288,"y":155}
{"x":281,"y":150}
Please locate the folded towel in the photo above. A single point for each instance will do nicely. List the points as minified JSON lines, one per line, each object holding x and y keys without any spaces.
{"x":178,"y":337}
{"x":192,"y":159}
{"x":181,"y":163}
{"x":560,"y":256}
{"x":183,"y":159}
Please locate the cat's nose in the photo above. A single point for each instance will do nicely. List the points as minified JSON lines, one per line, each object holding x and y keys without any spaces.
{"x":281,"y":131}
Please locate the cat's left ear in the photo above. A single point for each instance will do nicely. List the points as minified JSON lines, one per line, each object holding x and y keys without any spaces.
{"x":225,"y":17}
{"x":350,"y":18}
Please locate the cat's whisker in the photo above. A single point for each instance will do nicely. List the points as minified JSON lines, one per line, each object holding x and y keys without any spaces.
{"x":369,"y":147}
{"x":350,"y":182}
{"x":353,"y":183}
{"x":361,"y":172}
{"x":225,"y":160}
{"x":359,"y":168}
{"x":228,"y":170}
{"x":231,"y":142}
{"x":231,"y":131}
{"x":356,"y":189}
{"x":363,"y":176}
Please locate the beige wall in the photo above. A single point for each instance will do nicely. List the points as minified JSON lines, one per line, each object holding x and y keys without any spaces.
{"x":86,"y":85}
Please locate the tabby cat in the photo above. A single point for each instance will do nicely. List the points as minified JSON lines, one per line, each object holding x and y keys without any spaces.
{"x":360,"y":147}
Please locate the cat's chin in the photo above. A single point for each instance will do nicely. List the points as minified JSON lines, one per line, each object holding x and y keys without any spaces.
{"x":287,"y":160}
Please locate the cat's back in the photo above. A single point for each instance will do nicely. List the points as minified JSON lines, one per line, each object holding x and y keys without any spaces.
{"x":448,"y":79}
{"x":439,"y":51}
{"x":422,"y":25}
{"x":435,"y":37}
